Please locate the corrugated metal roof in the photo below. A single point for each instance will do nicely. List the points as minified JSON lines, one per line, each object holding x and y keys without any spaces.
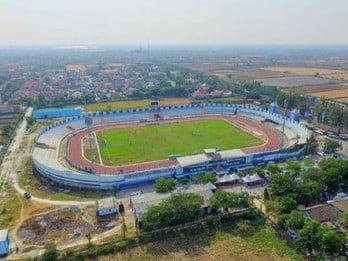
{"x":228,"y":154}
{"x":186,"y":161}
{"x":191,"y":160}
{"x":106,"y":203}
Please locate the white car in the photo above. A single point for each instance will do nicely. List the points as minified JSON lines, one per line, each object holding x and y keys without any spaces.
{"x":135,"y":193}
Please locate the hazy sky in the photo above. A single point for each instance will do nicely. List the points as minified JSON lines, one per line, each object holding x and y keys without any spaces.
{"x":173,"y":21}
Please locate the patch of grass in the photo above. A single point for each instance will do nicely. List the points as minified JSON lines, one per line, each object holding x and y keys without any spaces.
{"x":243,"y":240}
{"x":154,"y":142}
{"x":36,"y":187}
{"x":267,"y":238}
{"x":10,"y":207}
{"x":103,"y":106}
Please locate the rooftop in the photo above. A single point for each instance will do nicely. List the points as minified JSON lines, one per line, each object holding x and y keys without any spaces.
{"x":235,"y":153}
{"x":3,"y":234}
{"x":109,"y":202}
{"x":340,"y":204}
{"x":186,"y":161}
{"x":191,"y":160}
{"x":321,"y":213}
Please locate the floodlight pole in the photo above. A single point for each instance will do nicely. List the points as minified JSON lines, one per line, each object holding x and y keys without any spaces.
{"x":89,"y":122}
{"x":283,"y":127}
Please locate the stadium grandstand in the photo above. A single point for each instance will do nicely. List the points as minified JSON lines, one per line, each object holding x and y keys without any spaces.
{"x":76,"y":171}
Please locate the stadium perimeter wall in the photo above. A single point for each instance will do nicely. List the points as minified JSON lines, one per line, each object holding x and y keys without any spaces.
{"x":80,"y":179}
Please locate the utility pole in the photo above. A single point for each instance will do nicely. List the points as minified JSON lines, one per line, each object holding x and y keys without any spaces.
{"x":89,"y":123}
{"x":283,"y":128}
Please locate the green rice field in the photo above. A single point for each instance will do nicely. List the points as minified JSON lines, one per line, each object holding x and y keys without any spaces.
{"x":153,"y":142}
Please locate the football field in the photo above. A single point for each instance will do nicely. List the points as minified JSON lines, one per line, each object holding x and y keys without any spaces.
{"x":154,"y":142}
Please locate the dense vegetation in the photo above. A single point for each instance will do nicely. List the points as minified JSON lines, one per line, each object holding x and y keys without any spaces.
{"x":297,"y":185}
{"x":175,"y":210}
{"x":163,"y":185}
{"x":332,"y":114}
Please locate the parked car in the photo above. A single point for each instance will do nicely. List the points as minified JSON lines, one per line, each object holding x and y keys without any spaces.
{"x":135,"y":193}
{"x":333,"y":136}
{"x":343,"y":136}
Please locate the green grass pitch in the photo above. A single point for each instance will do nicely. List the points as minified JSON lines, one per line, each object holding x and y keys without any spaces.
{"x":153,"y":142}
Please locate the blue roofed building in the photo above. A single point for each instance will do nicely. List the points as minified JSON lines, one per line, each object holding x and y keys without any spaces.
{"x":4,"y":242}
{"x":57,"y":112}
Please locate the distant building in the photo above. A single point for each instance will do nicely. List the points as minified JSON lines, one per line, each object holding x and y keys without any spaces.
{"x":57,"y":112}
{"x":273,"y":107}
{"x":295,"y":115}
{"x":217,"y":93}
{"x":4,"y":242}
{"x":201,"y":92}
{"x":252,"y":180}
{"x":9,"y":108}
{"x":106,"y":206}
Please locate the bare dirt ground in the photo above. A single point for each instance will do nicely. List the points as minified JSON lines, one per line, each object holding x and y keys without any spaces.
{"x":62,"y":226}
{"x":308,"y":89}
{"x":332,"y":94}
{"x":246,"y":74}
{"x":312,"y":71}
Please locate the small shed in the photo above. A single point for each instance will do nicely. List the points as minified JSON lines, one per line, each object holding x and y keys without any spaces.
{"x":106,"y":206}
{"x":4,"y":242}
{"x":252,"y":180}
{"x":227,"y":180}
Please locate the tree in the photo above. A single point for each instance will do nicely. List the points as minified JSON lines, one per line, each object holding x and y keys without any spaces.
{"x":311,"y":145}
{"x":163,"y":185}
{"x":121,"y":208}
{"x":30,"y":121}
{"x":228,"y":200}
{"x":266,"y":195}
{"x":178,"y":209}
{"x":283,"y":185}
{"x":7,"y":130}
{"x":286,"y":205}
{"x":293,"y":165}
{"x":273,"y":168}
{"x":259,"y":171}
{"x":309,"y":237}
{"x":330,"y":240}
{"x":331,"y":146}
{"x":308,"y":161}
{"x":295,"y":220}
{"x":345,"y":217}
{"x":124,"y":229}
{"x":209,"y":177}
{"x":89,"y":237}
{"x":51,"y":253}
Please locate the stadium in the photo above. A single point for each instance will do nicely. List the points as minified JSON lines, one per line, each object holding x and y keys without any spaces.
{"x":59,"y":154}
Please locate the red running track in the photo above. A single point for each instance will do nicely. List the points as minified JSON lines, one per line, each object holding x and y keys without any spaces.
{"x":76,"y":158}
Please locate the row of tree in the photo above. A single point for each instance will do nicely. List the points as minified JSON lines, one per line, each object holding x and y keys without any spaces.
{"x":331,"y":113}
{"x":181,"y":208}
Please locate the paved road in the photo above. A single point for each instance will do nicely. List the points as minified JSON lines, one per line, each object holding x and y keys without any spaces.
{"x":13,"y":159}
